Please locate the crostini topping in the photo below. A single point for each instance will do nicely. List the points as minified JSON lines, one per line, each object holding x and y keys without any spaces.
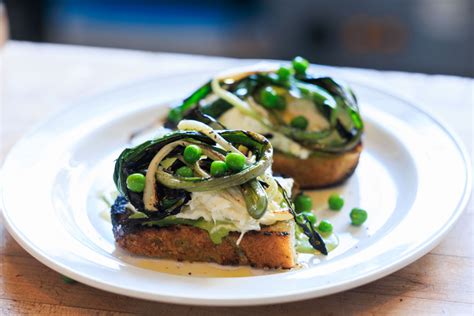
{"x":317,"y":113}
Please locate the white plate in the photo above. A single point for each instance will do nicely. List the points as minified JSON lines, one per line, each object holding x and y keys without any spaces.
{"x":413,"y":179}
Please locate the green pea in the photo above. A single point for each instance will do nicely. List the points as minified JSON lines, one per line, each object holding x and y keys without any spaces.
{"x":281,"y":104}
{"x":271,"y":100}
{"x":310,"y":216}
{"x":268,"y":97}
{"x":136,"y":182}
{"x":300,"y":65}
{"x":283,"y":73}
{"x":358,"y":216}
{"x":235,"y":161}
{"x":299,"y":122}
{"x":68,"y":280}
{"x":175,"y":115}
{"x":336,"y":202}
{"x":218,"y":168}
{"x":192,"y":153}
{"x":185,"y":172}
{"x":303,"y":203}
{"x":325,"y":226}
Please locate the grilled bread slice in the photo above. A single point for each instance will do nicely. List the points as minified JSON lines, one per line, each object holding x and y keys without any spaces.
{"x":319,"y":170}
{"x":271,"y":247}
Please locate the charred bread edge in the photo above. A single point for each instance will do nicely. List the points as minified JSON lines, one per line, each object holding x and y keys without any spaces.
{"x":287,"y":164}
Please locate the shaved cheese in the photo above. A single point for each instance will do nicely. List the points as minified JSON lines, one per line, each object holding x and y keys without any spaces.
{"x":234,"y":119}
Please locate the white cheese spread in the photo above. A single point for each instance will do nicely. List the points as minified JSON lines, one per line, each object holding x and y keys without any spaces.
{"x":229,"y":206}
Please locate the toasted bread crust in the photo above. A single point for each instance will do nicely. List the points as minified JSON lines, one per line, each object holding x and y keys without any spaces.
{"x":271,"y":247}
{"x":318,"y":171}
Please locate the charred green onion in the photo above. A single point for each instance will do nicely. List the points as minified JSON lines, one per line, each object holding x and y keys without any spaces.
{"x":255,"y":198}
{"x":194,"y":161}
{"x":306,"y":224}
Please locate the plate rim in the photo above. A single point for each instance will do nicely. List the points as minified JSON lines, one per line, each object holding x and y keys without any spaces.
{"x":382,"y":271}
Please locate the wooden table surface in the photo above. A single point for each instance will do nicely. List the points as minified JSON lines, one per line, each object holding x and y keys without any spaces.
{"x":39,"y":79}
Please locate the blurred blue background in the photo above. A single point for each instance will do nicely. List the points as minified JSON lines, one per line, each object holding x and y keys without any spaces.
{"x":432,"y":36}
